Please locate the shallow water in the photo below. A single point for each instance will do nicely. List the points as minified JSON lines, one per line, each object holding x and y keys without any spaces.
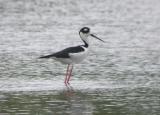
{"x":121,"y":76}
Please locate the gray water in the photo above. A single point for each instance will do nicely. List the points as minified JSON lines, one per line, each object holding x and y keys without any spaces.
{"x":119,"y":77}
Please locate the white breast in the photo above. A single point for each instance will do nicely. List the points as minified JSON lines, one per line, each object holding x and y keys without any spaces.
{"x":78,"y":57}
{"x":64,"y":60}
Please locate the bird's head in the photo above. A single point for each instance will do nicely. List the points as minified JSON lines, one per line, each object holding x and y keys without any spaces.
{"x":85,"y":33}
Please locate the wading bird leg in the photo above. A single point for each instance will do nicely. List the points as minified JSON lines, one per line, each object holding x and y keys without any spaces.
{"x":65,"y":81}
{"x":70,"y":74}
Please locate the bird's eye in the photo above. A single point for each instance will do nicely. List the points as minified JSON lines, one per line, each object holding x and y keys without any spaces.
{"x":85,"y":30}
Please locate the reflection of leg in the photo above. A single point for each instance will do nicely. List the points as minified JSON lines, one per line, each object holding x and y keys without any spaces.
{"x":70,"y":73}
{"x":65,"y":81}
{"x":70,"y":91}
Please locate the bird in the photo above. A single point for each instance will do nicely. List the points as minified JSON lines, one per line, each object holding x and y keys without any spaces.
{"x":75,"y":54}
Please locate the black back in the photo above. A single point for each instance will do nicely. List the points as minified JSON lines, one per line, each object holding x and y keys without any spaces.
{"x":65,"y":53}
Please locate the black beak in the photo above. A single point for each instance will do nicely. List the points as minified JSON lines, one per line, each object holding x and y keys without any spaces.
{"x":96,"y":37}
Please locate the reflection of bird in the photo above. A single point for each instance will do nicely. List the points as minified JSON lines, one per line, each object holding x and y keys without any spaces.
{"x":75,"y":54}
{"x":77,"y":102}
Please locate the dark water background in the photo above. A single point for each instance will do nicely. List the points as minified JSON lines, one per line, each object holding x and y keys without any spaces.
{"x":119,"y":77}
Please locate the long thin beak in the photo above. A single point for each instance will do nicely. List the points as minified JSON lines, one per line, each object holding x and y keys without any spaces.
{"x":96,"y":37}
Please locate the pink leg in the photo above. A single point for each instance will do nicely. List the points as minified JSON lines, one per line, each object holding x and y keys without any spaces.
{"x":65,"y":81}
{"x":70,"y":73}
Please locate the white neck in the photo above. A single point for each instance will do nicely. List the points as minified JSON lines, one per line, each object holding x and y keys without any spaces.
{"x":85,"y":39}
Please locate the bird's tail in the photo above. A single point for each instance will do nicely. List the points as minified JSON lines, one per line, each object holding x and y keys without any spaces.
{"x":47,"y":56}
{"x":44,"y":57}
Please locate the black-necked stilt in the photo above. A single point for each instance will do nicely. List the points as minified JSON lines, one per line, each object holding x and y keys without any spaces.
{"x":75,"y":54}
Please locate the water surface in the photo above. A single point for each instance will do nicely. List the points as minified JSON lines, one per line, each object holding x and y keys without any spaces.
{"x":119,"y":77}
